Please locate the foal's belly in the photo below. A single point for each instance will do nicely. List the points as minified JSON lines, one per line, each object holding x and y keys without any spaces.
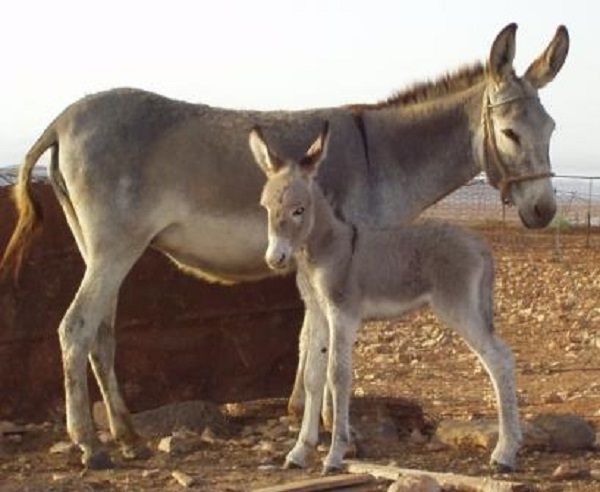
{"x":218,"y":248}
{"x":390,"y":308}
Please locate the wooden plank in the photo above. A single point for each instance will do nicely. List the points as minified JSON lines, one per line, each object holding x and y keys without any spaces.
{"x":462,"y":482}
{"x":334,"y":482}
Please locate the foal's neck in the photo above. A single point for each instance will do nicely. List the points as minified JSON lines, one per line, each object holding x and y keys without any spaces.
{"x":329,"y":237}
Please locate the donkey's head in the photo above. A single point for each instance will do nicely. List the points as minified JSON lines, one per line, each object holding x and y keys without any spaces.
{"x":517,"y":129}
{"x":288,"y":196}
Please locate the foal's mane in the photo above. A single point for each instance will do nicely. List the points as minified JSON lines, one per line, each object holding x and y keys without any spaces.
{"x":450,"y":83}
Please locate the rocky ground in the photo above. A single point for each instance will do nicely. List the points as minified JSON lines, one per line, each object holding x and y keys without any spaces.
{"x":413,"y":380}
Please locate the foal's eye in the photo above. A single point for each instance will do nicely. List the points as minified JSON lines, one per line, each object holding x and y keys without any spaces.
{"x":298,"y":212}
{"x":511,"y":135}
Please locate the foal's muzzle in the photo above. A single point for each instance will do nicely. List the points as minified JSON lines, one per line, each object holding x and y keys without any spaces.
{"x":278,"y":254}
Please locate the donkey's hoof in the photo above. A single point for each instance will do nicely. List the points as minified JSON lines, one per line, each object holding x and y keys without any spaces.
{"x":498,"y":467}
{"x":137,"y":451}
{"x":98,"y":461}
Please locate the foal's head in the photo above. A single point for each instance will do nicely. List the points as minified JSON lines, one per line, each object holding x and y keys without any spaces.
{"x":288,"y":195}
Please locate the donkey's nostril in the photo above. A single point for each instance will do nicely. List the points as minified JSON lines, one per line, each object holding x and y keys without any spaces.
{"x":281,"y":260}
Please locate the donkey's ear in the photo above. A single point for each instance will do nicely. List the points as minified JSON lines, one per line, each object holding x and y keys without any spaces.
{"x":264,"y":157}
{"x":316,"y":153}
{"x":549,"y":63}
{"x":502,"y":54}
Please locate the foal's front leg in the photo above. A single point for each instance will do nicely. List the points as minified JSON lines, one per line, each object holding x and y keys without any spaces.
{"x":314,"y":382}
{"x":342,"y":332}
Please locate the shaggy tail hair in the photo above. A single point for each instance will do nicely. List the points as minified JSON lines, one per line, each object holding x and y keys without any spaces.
{"x":29,"y":210}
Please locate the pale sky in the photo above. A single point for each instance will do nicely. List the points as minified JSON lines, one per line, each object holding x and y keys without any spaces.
{"x":278,"y":54}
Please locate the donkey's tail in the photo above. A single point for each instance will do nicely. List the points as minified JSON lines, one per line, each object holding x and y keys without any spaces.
{"x":29,"y":210}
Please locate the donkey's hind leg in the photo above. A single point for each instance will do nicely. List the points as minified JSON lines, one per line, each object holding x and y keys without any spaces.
{"x":102,"y":357}
{"x":77,"y":333}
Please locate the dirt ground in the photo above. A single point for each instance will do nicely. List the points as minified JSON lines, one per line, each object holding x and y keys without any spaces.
{"x":547,"y":308}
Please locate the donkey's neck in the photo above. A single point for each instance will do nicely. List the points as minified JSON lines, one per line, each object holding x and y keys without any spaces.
{"x":420,"y":153}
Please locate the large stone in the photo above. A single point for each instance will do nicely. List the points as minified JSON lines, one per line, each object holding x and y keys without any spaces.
{"x":567,"y":432}
{"x":193,"y":415}
{"x":178,"y":338}
{"x":484,"y":434}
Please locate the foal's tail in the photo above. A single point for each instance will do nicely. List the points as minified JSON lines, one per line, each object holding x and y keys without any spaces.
{"x":29,"y":210}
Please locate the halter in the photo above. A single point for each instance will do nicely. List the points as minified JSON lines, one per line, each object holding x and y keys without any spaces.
{"x":491,"y":152}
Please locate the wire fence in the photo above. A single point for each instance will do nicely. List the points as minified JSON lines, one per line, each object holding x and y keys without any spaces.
{"x":477,"y":204}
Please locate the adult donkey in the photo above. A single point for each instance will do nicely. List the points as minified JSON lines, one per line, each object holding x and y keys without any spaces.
{"x":133,"y":169}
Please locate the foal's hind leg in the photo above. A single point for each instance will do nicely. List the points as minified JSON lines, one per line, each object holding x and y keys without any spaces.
{"x":296,"y":400}
{"x":77,"y":333}
{"x":102,"y":357}
{"x":496,"y":356}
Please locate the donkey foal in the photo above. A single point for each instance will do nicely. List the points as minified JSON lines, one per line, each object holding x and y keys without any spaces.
{"x":347,"y":274}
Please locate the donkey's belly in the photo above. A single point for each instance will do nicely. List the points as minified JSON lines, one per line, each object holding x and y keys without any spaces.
{"x":226,"y":249}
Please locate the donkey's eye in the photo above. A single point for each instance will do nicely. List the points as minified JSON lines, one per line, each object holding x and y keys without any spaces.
{"x":511,"y":135}
{"x":298,"y":212}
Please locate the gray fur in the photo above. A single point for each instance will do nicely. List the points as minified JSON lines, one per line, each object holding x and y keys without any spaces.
{"x":348,"y":274}
{"x":133,"y":169}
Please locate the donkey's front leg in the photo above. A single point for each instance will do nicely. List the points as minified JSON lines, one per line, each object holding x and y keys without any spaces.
{"x":343,"y":328}
{"x":314,"y":382}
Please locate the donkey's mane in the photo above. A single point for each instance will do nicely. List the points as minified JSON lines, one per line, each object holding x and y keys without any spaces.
{"x":450,"y":83}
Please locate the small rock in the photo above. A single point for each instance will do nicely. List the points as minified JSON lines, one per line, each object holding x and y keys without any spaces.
{"x":8,"y":428}
{"x":183,"y":478}
{"x":59,"y":477}
{"x":264,"y":446}
{"x":436,"y":446}
{"x":62,"y":447}
{"x":553,"y":398}
{"x":570,"y":471}
{"x":180,"y":442}
{"x":268,"y":467}
{"x":208,"y":436}
{"x":153,"y":472}
{"x":482,"y":433}
{"x":417,"y":437}
{"x":415,"y":484}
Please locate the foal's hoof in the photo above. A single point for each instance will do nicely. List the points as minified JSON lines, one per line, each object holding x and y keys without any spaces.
{"x":291,"y":465}
{"x":98,"y":461}
{"x":331,"y":469}
{"x":498,"y":467}
{"x":136,"y":451}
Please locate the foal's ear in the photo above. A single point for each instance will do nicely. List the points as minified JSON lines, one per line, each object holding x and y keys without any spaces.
{"x":266,"y":159}
{"x":316,"y":153}
{"x":502,"y":54}
{"x":549,"y":63}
